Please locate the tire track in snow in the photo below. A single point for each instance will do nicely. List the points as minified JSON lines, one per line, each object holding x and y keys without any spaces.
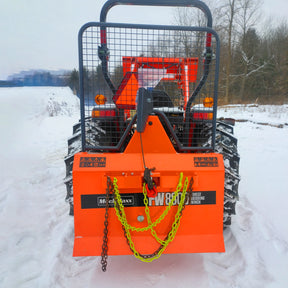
{"x":250,"y":237}
{"x":264,"y":245}
{"x":23,"y":236}
{"x":66,"y":269}
{"x":25,"y":271}
{"x":225,"y":268}
{"x":3,"y":199}
{"x":262,"y":227}
{"x":242,"y":264}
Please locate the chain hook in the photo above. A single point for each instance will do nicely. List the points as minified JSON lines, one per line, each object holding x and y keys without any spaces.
{"x":149,"y":183}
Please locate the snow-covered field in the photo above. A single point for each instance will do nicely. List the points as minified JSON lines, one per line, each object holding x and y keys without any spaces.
{"x":36,"y":233}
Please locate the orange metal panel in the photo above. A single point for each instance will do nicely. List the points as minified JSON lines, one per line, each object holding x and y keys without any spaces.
{"x":201,"y":226}
{"x":171,"y":64}
{"x":125,"y":96}
{"x":182,"y":70}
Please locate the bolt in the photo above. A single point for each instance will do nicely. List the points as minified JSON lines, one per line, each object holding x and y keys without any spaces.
{"x":140,"y":218}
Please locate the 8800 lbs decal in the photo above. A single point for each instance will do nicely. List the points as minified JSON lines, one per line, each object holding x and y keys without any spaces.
{"x":197,"y":198}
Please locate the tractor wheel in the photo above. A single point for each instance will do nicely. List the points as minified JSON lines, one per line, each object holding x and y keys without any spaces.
{"x":94,"y":135}
{"x":74,"y":146}
{"x":226,"y":144}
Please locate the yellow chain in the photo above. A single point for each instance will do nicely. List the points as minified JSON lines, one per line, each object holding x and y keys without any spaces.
{"x":119,"y":209}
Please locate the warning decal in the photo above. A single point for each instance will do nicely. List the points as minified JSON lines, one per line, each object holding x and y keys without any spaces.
{"x":205,"y":161}
{"x":93,"y":162}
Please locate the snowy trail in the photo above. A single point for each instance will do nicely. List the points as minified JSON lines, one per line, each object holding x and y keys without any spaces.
{"x":31,"y":180}
{"x":36,"y":235}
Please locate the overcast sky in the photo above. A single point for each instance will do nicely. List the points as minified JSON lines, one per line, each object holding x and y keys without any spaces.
{"x":43,"y":34}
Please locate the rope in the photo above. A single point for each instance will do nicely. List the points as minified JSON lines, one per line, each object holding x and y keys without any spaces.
{"x":142,"y":150}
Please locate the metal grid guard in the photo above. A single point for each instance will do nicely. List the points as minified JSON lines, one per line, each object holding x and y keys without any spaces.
{"x":171,"y":62}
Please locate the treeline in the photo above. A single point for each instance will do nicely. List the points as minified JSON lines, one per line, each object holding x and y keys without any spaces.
{"x":254,"y":57}
{"x":37,"y":78}
{"x":259,"y":68}
{"x":94,"y":81}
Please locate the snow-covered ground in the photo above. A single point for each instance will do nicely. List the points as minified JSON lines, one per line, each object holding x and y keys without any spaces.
{"x":36,"y":233}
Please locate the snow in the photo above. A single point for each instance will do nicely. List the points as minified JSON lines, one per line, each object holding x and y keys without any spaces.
{"x":36,"y":235}
{"x":258,"y":114}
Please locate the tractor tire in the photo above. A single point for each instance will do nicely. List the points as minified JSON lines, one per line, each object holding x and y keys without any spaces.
{"x":226,"y":144}
{"x":94,"y":135}
{"x":74,"y":146}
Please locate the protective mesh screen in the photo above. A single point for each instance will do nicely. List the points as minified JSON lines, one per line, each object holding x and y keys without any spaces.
{"x":170,"y":62}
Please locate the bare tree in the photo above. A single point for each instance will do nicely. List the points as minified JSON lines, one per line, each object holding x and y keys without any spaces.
{"x":276,"y":42}
{"x":189,"y":17}
{"x":227,"y":13}
{"x":248,"y":16}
